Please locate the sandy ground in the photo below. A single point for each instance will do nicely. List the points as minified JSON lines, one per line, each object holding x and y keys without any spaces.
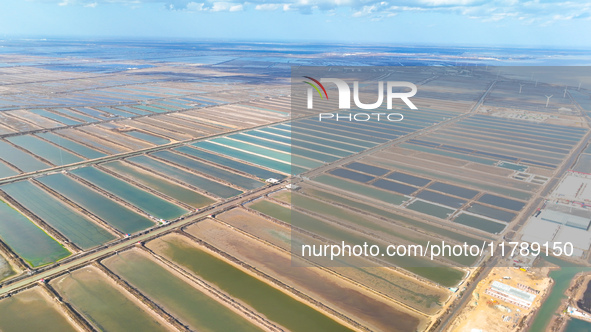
{"x":486,"y":312}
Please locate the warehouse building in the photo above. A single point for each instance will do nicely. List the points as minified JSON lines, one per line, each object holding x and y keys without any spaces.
{"x":566,"y":215}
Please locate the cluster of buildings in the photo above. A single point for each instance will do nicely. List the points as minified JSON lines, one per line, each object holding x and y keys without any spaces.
{"x":565,"y":217}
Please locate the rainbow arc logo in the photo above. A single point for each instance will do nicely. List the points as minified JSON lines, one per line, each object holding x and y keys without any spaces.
{"x":316,"y":87}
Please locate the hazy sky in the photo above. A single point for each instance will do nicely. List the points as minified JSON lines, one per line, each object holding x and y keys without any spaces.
{"x":559,"y":24}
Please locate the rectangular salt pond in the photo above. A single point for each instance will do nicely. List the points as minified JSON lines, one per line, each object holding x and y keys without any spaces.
{"x":501,"y":202}
{"x":512,"y":166}
{"x":407,"y":178}
{"x":78,"y":229}
{"x":361,"y":189}
{"x":261,"y":173}
{"x":105,"y":304}
{"x":233,"y":178}
{"x":315,"y":144}
{"x":350,"y":175}
{"x":145,"y":201}
{"x":430,"y":209}
{"x":365,"y":168}
{"x":6,"y":171}
{"x":479,"y":223}
{"x":375,"y":134}
{"x":300,"y":137}
{"x":133,"y":110}
{"x":434,"y":197}
{"x":177,"y":296}
{"x":328,"y":146}
{"x":166,"y":107}
{"x":27,"y":240}
{"x":395,"y":186}
{"x":277,"y":306}
{"x":251,"y":158}
{"x":82,"y":137}
{"x":283,"y":146}
{"x":71,"y":145}
{"x":268,"y":153}
{"x":59,"y":118}
{"x":287,"y":146}
{"x":352,"y":143}
{"x":326,"y":150}
{"x":92,"y":112}
{"x":113,"y":213}
{"x":491,"y":212}
{"x":148,"y":137}
{"x":362,"y":137}
{"x":116,"y":112}
{"x":48,"y":151}
{"x":75,"y":115}
{"x":24,"y":161}
{"x":166,"y":187}
{"x":448,"y":154}
{"x":271,"y":137}
{"x":453,"y":190}
{"x":200,"y":182}
{"x":150,"y":109}
{"x":33,"y":310}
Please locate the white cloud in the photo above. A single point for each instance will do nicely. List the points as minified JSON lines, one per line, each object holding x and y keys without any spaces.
{"x":194,"y":6}
{"x":268,"y":6}
{"x":237,"y":8}
{"x":529,"y":11}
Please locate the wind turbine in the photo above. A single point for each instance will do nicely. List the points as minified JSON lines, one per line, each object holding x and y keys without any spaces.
{"x":548,"y":99}
{"x":579,"y":89}
{"x":566,"y":87}
{"x":520,"y":86}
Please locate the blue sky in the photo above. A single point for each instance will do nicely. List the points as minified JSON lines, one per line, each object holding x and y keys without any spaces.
{"x":559,"y":24}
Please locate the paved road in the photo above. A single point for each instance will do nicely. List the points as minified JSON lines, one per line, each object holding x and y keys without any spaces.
{"x":125,"y":243}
